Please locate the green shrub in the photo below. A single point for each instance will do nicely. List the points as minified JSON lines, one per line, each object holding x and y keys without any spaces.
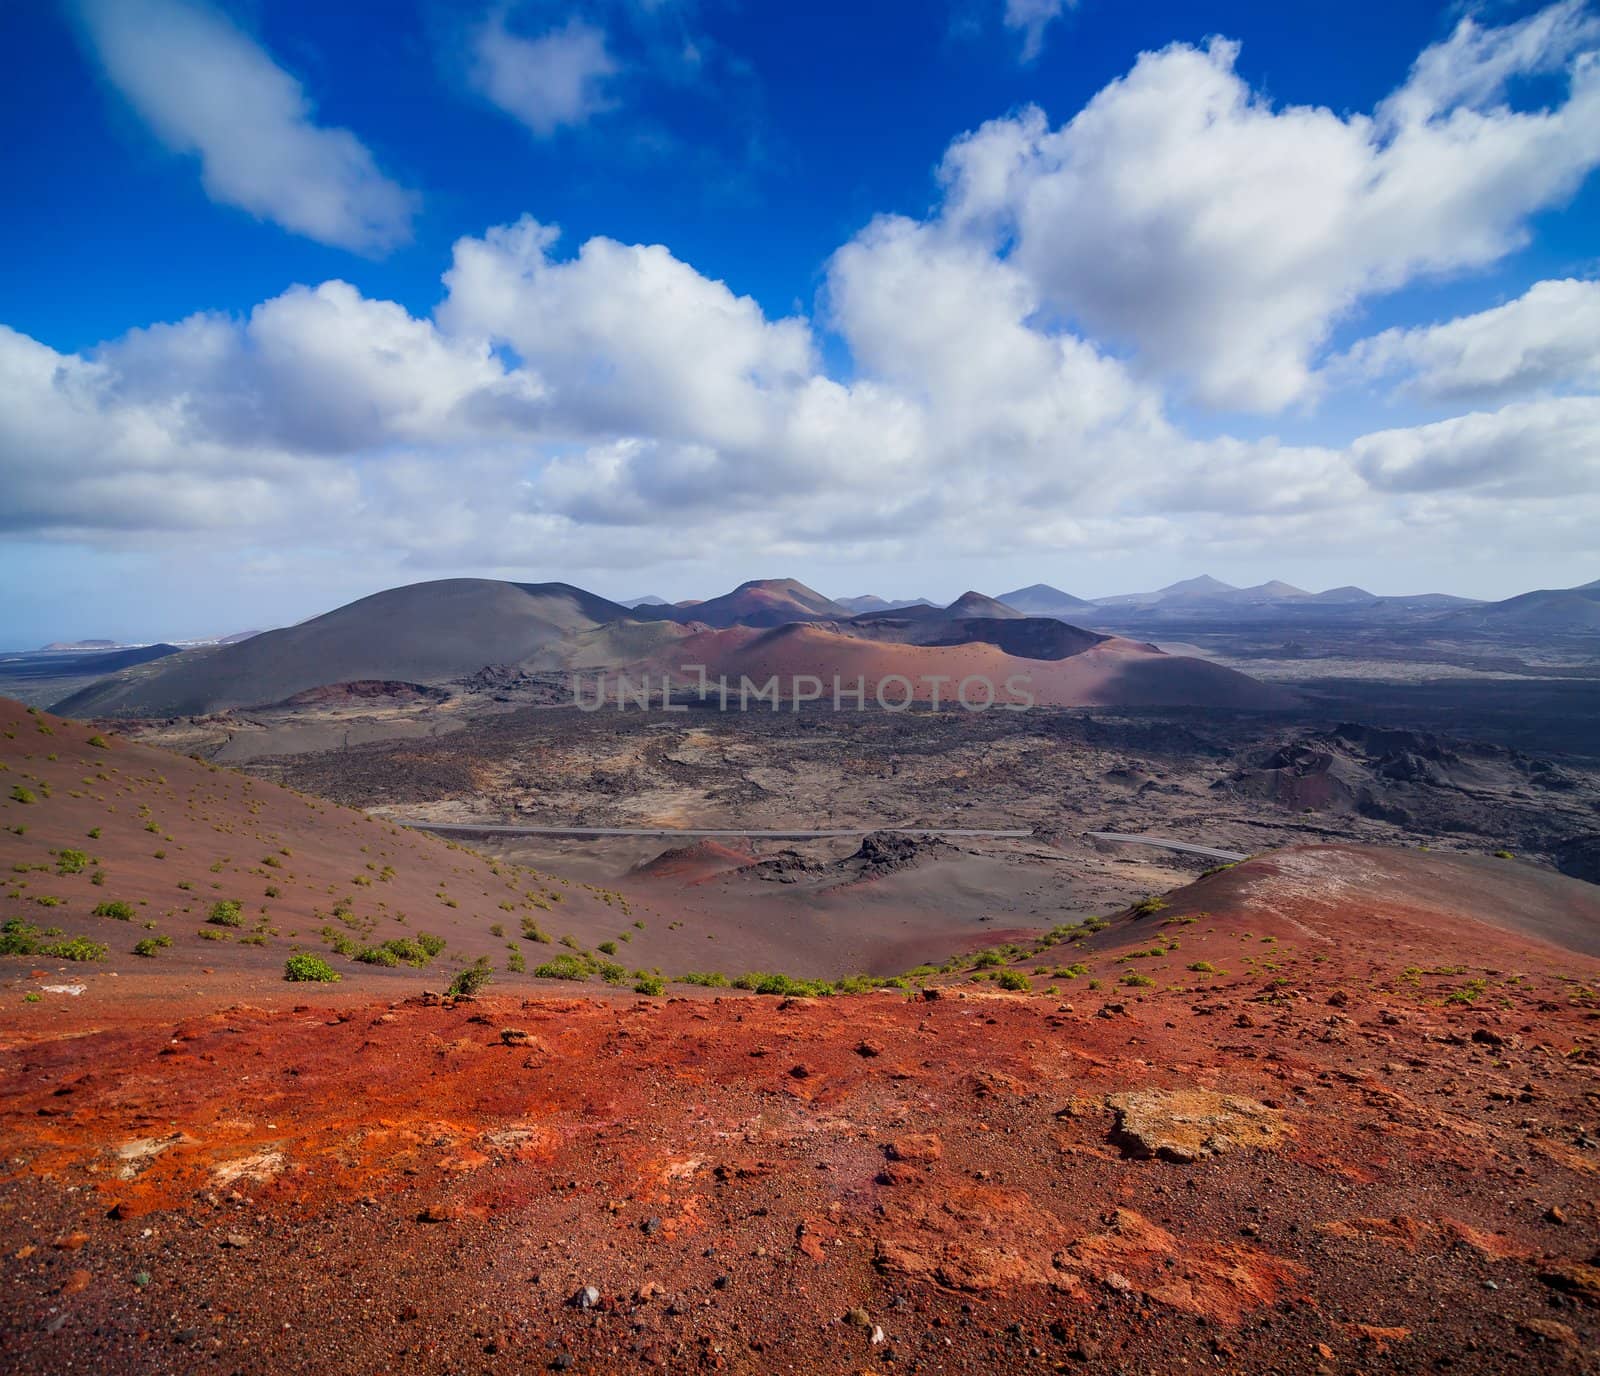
{"x":99,"y":742}
{"x":432,"y":945}
{"x":1014,"y":980}
{"x":94,"y":833}
{"x":712,"y":979}
{"x":226,"y":912}
{"x":74,"y":948}
{"x":18,"y":938}
{"x":532,"y":931}
{"x":564,"y":967}
{"x":1138,"y":981}
{"x":1146,"y":906}
{"x":71,"y":862}
{"x":986,"y":959}
{"x":653,"y":985}
{"x":123,"y":912}
{"x":609,"y":947}
{"x":516,"y":963}
{"x":469,"y":981}
{"x":378,"y":955}
{"x":21,"y":795}
{"x":150,"y":945}
{"x":1203,"y":967}
{"x":309,"y":969}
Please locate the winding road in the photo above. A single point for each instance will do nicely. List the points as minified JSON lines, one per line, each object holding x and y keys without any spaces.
{"x":1167,"y":843}
{"x":802,"y":834}
{"x":697,"y":832}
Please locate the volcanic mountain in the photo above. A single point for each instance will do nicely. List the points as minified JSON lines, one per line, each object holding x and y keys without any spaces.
{"x":421,"y":633}
{"x":760,"y":602}
{"x":1055,"y":664}
{"x":1040,"y":599}
{"x":1548,"y":609}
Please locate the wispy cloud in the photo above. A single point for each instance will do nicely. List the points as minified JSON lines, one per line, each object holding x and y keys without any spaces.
{"x":560,"y":78}
{"x":1031,"y":18}
{"x":206,"y":89}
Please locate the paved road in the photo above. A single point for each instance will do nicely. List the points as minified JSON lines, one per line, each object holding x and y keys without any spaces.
{"x":691,"y":832}
{"x":1166,"y":843}
{"x":800,"y":834}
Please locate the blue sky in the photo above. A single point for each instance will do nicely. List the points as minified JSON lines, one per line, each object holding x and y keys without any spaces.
{"x":811,"y":375}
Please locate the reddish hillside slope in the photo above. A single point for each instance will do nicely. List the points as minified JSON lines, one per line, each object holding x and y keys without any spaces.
{"x":1112,"y":672}
{"x":89,"y":821}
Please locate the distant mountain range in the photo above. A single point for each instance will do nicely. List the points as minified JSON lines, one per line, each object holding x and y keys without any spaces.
{"x":438,"y":632}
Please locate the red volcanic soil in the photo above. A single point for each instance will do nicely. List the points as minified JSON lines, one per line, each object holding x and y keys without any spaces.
{"x":168,"y":837}
{"x":696,"y":862}
{"x":1114,"y":672}
{"x":1331,"y":1110}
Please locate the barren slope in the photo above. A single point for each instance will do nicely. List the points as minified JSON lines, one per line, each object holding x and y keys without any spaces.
{"x":422,"y":633}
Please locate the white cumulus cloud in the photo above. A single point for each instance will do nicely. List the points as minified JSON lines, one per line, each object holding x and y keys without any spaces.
{"x":1221,"y":236}
{"x":206,"y":89}
{"x":558,"y":79}
{"x":1548,"y":338}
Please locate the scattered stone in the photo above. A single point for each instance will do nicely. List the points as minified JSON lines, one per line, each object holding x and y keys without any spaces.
{"x":76,"y":1282}
{"x":1187,"y":1124}
{"x":858,"y":1318}
{"x":650,"y":1227}
{"x":916,"y":1147}
{"x":1548,"y":1331}
{"x":586,"y":1298}
{"x":236,"y":1240}
{"x":867,"y":1047}
{"x":1555,"y":1214}
{"x":1577,"y":1278}
{"x":932,"y":992}
{"x":72,"y":1242}
{"x":516,"y":1036}
{"x":437,"y":1213}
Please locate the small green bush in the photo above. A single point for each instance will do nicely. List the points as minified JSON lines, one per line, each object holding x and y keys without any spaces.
{"x":123,"y":912}
{"x":226,"y":912}
{"x":564,"y":967}
{"x":1014,"y":980}
{"x":99,"y":742}
{"x":150,"y":945}
{"x":71,"y":862}
{"x":378,"y":955}
{"x":18,"y":938}
{"x":608,"y":947}
{"x":653,"y":985}
{"x":1146,"y":906}
{"x":74,"y":948}
{"x":309,"y":969}
{"x":469,"y":981}
{"x":19,"y":794}
{"x":1203,"y":967}
{"x":712,"y":979}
